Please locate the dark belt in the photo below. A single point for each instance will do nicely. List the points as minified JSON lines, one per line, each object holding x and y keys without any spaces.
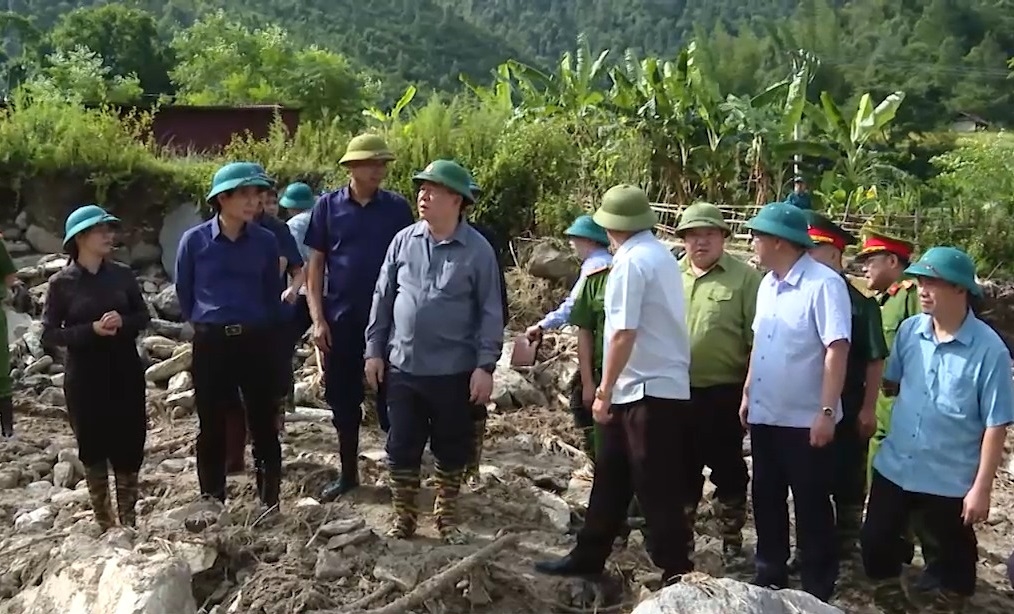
{"x":228,"y":330}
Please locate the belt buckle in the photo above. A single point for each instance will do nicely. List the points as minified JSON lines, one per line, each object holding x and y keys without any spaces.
{"x":233,"y":330}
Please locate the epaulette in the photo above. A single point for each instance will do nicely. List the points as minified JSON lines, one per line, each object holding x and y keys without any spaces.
{"x":906,"y":284}
{"x":598,"y":270}
{"x":893,"y":289}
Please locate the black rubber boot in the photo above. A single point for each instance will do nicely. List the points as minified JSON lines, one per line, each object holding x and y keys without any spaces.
{"x":348,"y":453}
{"x":6,"y":417}
{"x":269,"y":483}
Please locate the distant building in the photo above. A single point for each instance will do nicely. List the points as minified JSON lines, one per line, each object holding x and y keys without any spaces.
{"x":966,"y":122}
{"x":211,"y":128}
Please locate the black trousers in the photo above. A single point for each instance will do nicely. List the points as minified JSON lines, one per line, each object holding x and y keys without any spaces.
{"x":106,"y":407}
{"x":298,"y":322}
{"x":719,"y":443}
{"x":849,"y":483}
{"x":646,"y":449}
{"x":434,"y":408}
{"x":227,"y":359}
{"x":343,"y":378}
{"x":783,"y":459}
{"x":887,"y":515}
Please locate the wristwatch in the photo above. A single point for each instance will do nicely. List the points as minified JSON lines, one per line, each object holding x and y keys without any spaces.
{"x":827,"y":411}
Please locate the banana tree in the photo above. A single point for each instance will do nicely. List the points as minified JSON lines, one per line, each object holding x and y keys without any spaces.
{"x":574,"y":88}
{"x":499,"y":95}
{"x":386,"y":118}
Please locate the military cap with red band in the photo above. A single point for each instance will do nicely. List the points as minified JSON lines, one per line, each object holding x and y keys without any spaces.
{"x":877,"y":243}
{"x":822,"y":230}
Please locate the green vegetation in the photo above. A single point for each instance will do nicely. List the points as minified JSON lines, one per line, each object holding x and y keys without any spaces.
{"x":720,"y":118}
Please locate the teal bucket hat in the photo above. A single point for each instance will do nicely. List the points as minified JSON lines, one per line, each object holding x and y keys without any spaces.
{"x":586,"y":228}
{"x":949,"y":264}
{"x":449,"y":174}
{"x":237,"y":175}
{"x":83,"y":218}
{"x":784,"y":221}
{"x":297,"y":196}
{"x":475,"y":190}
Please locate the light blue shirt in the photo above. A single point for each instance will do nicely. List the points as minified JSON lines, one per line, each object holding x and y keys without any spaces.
{"x":950,"y":393}
{"x":297,"y":227}
{"x":797,"y":318}
{"x":561,"y":315}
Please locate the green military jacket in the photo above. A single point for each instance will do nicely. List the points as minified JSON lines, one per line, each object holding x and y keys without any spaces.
{"x":868,"y":345}
{"x":897,"y":304}
{"x":589,"y":311}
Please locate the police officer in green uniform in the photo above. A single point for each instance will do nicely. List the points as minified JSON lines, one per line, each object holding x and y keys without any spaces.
{"x":589,"y":315}
{"x":884,"y":259}
{"x":859,"y":394}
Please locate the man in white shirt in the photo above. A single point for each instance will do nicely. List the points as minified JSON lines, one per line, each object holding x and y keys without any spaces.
{"x":792,"y":399}
{"x":643,"y":401}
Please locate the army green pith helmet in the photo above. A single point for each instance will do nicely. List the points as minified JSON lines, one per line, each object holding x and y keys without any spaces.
{"x":625,"y":208}
{"x":702,"y":215}
{"x":367,"y":147}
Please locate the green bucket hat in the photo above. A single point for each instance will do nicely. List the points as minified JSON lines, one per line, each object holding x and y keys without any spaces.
{"x":586,"y":228}
{"x":367,"y":147}
{"x":475,"y":190}
{"x":625,"y":208}
{"x":449,"y":174}
{"x":702,"y":215}
{"x":949,"y":264}
{"x":297,"y":196}
{"x":236,"y":175}
{"x":83,"y":218}
{"x":784,"y":221}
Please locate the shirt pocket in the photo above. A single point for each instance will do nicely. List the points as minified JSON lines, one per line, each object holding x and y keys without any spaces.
{"x":957,"y":394}
{"x":718,"y":305}
{"x":452,"y":278}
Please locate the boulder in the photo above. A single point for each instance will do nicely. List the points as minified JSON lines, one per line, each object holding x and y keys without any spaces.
{"x":43,"y":241}
{"x":549,"y":262}
{"x":91,"y":577}
{"x":176,"y":222}
{"x":701,"y":594}
{"x":162,"y":371}
{"x":167,"y":304}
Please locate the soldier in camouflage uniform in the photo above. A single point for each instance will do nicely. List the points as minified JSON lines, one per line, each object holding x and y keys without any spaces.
{"x":721,"y":295}
{"x":859,"y":394}
{"x":884,"y":259}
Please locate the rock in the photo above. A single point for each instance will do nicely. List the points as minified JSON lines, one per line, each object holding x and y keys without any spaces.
{"x":702,"y":594}
{"x":341,"y":527}
{"x":94,"y":577}
{"x":65,"y":475}
{"x":41,"y":365}
{"x":548,"y":262}
{"x":186,"y":399}
{"x":180,"y":382}
{"x":173,"y":330}
{"x":65,"y":498}
{"x":555,"y":509}
{"x":43,"y":241}
{"x":307,"y":502}
{"x":392,"y":568}
{"x":53,"y":396}
{"x":9,"y":478}
{"x":511,"y":390}
{"x":331,"y":566}
{"x":69,"y":455}
{"x":162,"y":371}
{"x":175,"y":223}
{"x":167,"y":304}
{"x":159,"y":347}
{"x":17,"y":325}
{"x":173,"y":465}
{"x":142,"y":254}
{"x":198,"y":557}
{"x":21,"y":221}
{"x":40,"y":519}
{"x":349,"y":539}
{"x":57,"y":380}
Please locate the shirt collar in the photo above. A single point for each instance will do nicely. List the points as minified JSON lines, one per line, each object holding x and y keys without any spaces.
{"x":216,"y":228}
{"x":795,"y":274}
{"x":722,"y":263}
{"x":460,"y":234}
{"x":964,"y":336}
{"x":634,"y":239}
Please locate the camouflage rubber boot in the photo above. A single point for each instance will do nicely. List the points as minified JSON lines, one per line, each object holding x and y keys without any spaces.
{"x":890,"y":596}
{"x":126,"y":498}
{"x":731,"y":516}
{"x":479,"y":435}
{"x":97,"y":479}
{"x":445,"y":506}
{"x":404,"y":495}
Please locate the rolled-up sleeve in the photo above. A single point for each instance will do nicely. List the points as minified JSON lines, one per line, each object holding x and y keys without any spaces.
{"x":489,"y":338}
{"x":833,"y":311}
{"x":378,"y":330}
{"x":316,"y":231}
{"x":625,"y":305}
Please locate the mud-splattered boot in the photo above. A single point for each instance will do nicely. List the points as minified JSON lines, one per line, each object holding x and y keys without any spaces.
{"x":269,"y":482}
{"x":126,"y":498}
{"x":942,"y":601}
{"x":404,"y":498}
{"x":479,"y":437}
{"x":6,"y":418}
{"x":731,"y":515}
{"x":891,"y":598}
{"x":445,"y":506}
{"x":97,"y":479}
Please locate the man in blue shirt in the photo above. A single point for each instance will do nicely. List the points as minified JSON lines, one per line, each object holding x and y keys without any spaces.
{"x":348,"y":235}
{"x":228,"y":285}
{"x":952,"y":376}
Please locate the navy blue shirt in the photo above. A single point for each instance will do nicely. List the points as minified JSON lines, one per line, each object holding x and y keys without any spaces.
{"x":222,"y":282}
{"x":286,"y":244}
{"x":354,"y":239}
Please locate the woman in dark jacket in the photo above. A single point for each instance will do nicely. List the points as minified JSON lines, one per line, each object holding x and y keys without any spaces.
{"x":94,"y":309}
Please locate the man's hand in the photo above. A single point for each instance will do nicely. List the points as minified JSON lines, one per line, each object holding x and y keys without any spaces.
{"x":744,"y":412}
{"x":822,"y":430}
{"x":374,"y":370}
{"x":867,"y":422}
{"x":322,"y":336}
{"x":975,"y":507}
{"x":600,"y":409}
{"x":588,"y":395}
{"x":111,"y":320}
{"x":480,"y":387}
{"x":102,"y":330}
{"x":533,"y":333}
{"x":289,"y":295}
